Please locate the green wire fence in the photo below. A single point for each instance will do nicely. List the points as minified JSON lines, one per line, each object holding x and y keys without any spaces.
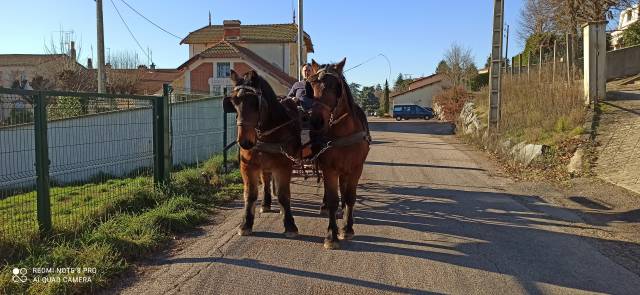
{"x":69,"y":159}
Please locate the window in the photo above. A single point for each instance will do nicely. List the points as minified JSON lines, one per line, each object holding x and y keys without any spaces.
{"x":397,"y":109}
{"x":223,"y":69}
{"x":629,"y":16}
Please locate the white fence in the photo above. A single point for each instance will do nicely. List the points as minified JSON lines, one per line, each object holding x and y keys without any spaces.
{"x":115,"y":143}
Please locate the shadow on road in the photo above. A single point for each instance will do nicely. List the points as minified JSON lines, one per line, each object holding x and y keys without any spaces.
{"x":479,"y":230}
{"x":256,"y":264}
{"x":374,"y":163}
{"x":417,"y":127}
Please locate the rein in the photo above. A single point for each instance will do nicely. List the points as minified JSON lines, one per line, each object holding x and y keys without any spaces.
{"x":261,"y":146}
{"x":262,"y":104}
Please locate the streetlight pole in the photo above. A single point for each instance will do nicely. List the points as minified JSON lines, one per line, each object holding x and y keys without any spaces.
{"x":300,"y":40}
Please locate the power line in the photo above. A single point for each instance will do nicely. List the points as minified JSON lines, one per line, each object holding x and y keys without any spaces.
{"x":128,"y":29}
{"x":370,"y":59}
{"x":151,"y":22}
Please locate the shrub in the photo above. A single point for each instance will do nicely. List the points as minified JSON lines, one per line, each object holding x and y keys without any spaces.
{"x":451,"y":102}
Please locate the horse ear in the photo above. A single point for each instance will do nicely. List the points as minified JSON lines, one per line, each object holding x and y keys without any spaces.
{"x":234,"y":76}
{"x":314,"y":66}
{"x":340,"y":65}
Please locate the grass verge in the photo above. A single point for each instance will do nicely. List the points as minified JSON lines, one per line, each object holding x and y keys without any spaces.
{"x":103,"y":229}
{"x":537,"y":109}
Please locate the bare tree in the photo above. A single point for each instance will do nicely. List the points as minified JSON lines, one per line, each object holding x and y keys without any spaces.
{"x":537,"y":16}
{"x":570,"y":14}
{"x":459,"y":61}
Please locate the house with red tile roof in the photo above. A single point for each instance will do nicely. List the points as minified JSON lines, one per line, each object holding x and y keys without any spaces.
{"x":422,"y":90}
{"x":269,"y":49}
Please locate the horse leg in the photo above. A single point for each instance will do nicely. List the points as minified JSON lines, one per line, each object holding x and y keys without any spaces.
{"x":324,"y":210}
{"x":343,"y":191}
{"x":250,"y":178}
{"x":331,"y":197}
{"x":282,"y":179}
{"x":349,"y":197}
{"x":266,"y":188}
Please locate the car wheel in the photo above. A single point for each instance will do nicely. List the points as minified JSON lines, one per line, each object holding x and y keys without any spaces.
{"x":398,"y":118}
{"x":426,"y":117}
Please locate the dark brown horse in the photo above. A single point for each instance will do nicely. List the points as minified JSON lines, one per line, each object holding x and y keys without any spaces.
{"x":269,"y":139}
{"x":340,"y":141}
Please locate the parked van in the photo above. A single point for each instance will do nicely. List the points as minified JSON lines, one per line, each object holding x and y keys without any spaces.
{"x":411,"y":111}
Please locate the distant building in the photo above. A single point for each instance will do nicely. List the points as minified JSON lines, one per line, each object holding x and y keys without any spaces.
{"x":628,"y":17}
{"x":269,"y":49}
{"x":422,"y":90}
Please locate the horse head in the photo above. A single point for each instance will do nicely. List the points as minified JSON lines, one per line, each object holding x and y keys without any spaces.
{"x":250,"y":105}
{"x":330,"y":93}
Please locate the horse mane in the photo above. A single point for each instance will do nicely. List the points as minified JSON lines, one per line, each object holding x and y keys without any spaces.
{"x":267,"y":90}
{"x":277,"y":108}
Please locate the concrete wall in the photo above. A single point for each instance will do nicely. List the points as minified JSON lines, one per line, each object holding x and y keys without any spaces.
{"x":116,"y":143}
{"x":623,"y":62}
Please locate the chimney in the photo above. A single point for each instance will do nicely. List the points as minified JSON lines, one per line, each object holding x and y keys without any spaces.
{"x":231,"y":30}
{"x":89,"y":63}
{"x":72,"y":51}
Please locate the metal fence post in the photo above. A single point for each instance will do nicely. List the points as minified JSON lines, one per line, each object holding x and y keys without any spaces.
{"x":161,"y":138}
{"x":224,"y":134}
{"x":42,"y":164}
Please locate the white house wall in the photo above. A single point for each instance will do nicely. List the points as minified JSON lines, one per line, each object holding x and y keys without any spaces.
{"x":276,"y":53}
{"x":422,"y":97}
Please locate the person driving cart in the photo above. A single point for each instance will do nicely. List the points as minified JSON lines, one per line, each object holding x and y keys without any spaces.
{"x":301,"y":91}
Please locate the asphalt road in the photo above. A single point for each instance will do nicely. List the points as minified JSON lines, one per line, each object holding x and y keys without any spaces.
{"x":433,"y":217}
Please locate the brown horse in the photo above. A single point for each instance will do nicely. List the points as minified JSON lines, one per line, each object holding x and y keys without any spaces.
{"x":340,"y":141}
{"x":269,"y":139}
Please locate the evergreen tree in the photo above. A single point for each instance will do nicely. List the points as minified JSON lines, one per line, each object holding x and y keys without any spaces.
{"x":442,"y":67}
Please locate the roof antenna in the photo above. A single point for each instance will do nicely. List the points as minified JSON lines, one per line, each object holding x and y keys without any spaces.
{"x":209,"y":17}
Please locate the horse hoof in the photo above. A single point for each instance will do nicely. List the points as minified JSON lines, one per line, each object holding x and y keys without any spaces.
{"x":245,"y":232}
{"x":290,"y":234}
{"x":331,"y":245}
{"x":266,"y":210}
{"x":345,"y":236}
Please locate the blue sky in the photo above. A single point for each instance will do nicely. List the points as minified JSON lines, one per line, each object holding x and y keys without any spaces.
{"x":413,"y":34}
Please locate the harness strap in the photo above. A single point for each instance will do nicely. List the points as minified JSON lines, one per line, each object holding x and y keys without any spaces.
{"x":272,"y":130}
{"x":335,"y":122}
{"x":351,"y":139}
{"x":269,"y":147}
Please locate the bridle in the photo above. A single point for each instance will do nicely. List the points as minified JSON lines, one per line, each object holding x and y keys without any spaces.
{"x":317,"y":77}
{"x":262,"y":111}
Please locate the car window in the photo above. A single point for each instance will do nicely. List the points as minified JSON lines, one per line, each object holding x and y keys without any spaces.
{"x":397,"y":109}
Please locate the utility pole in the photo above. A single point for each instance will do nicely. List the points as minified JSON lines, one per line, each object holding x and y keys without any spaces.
{"x":100,"y":46}
{"x":300,"y":40}
{"x":495,"y":72}
{"x":506,"y":52}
